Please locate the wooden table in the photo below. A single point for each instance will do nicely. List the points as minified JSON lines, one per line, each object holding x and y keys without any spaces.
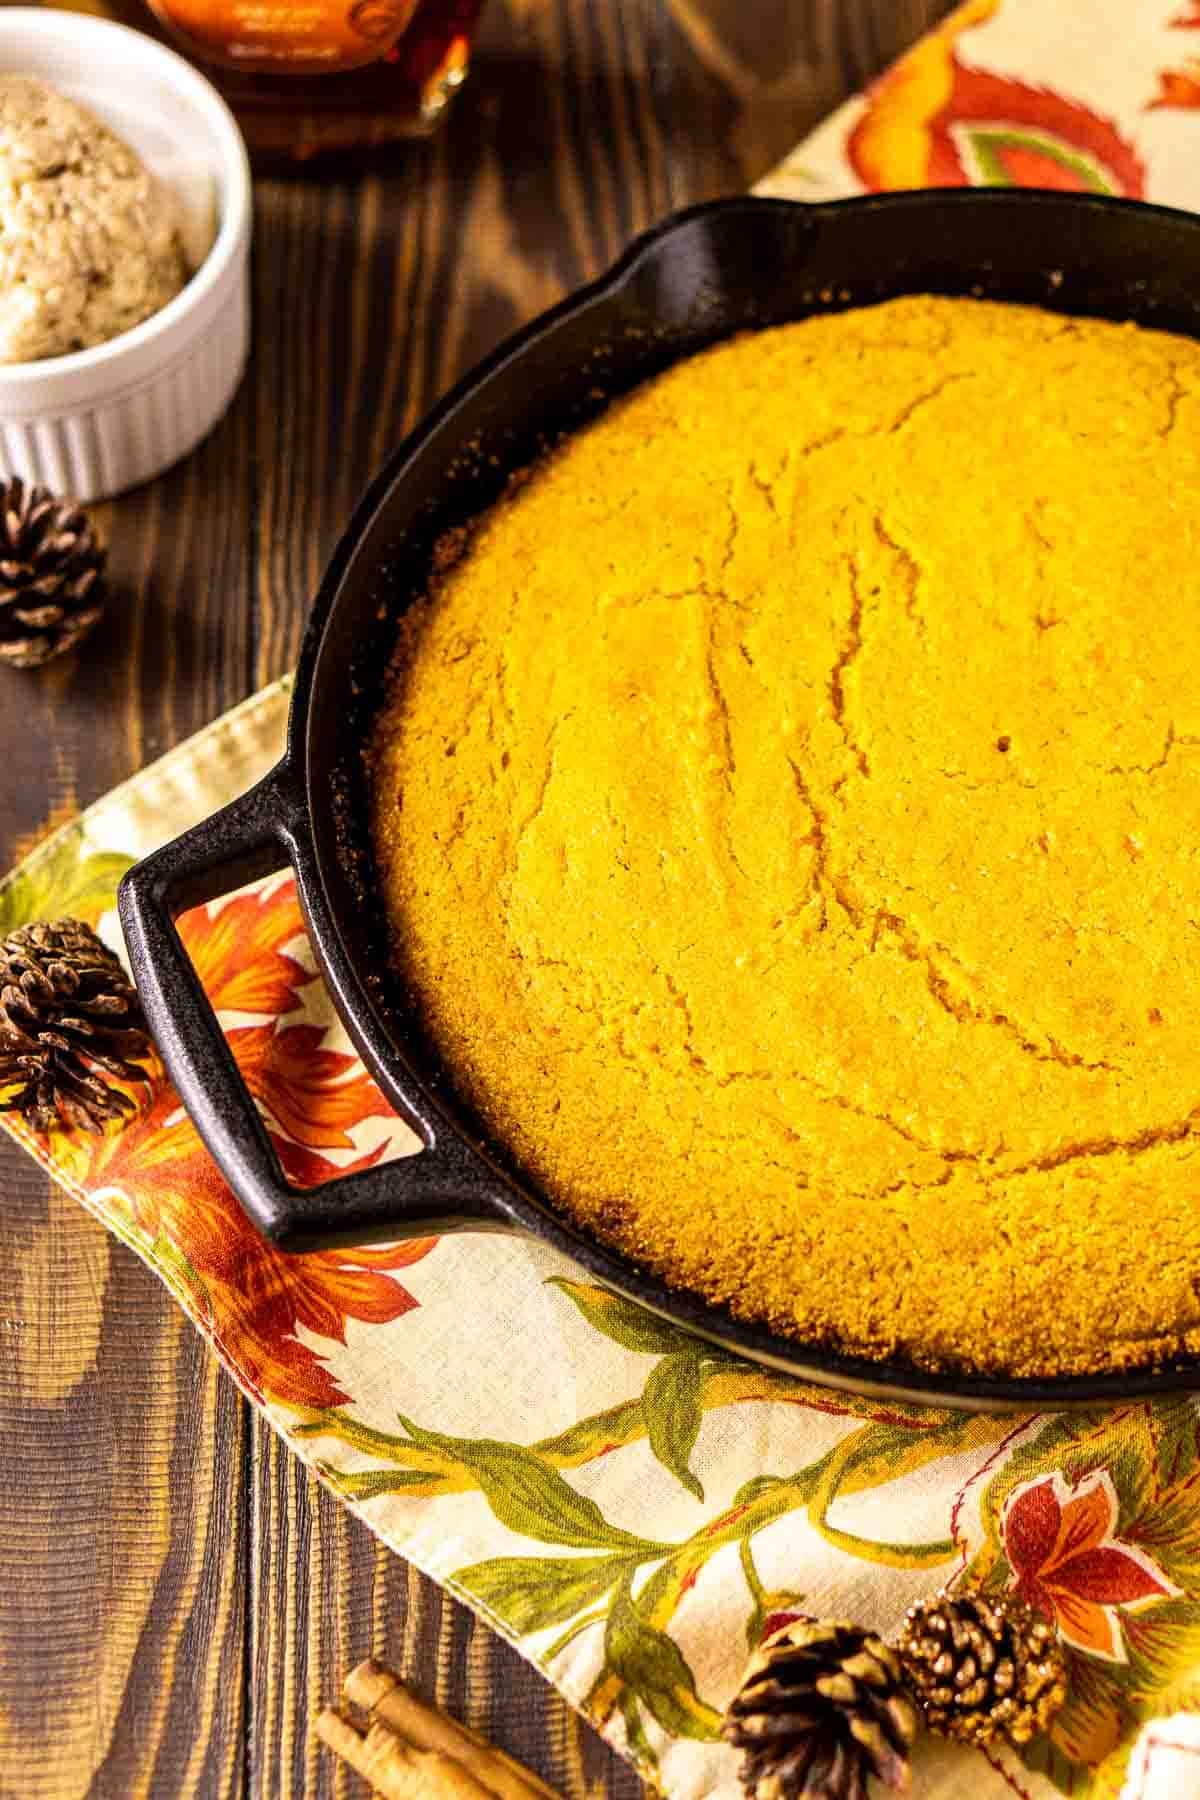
{"x":177,"y":1596}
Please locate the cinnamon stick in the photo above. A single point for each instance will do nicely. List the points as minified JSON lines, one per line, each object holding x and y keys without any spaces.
{"x":394,"y":1768}
{"x":387,"y":1701}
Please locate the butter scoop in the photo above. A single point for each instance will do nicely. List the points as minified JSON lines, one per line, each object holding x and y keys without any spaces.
{"x":91,"y":243}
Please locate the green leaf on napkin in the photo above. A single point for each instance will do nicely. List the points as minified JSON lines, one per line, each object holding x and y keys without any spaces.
{"x":531,"y":1592}
{"x":885,"y":1452}
{"x":1044,"y":1757}
{"x":63,"y":881}
{"x":635,"y":1732}
{"x":651,"y":1665}
{"x":871,"y":1445}
{"x":1178,"y":1443}
{"x":621,"y":1320}
{"x":757,"y":1484}
{"x":596,"y":1435}
{"x":373,"y":1484}
{"x":672,"y":1401}
{"x":531,"y":1498}
{"x":766,"y":1600}
{"x":995,"y":152}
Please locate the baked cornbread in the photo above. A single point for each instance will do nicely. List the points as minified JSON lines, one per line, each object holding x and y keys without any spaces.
{"x":788,"y":813}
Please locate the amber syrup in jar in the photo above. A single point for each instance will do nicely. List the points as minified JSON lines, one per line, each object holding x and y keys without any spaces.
{"x":310,"y":78}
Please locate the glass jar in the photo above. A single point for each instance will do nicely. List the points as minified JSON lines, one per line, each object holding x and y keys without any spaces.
{"x":307,"y":78}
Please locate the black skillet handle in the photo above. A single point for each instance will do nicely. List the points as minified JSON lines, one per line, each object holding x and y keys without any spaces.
{"x":435,"y":1191}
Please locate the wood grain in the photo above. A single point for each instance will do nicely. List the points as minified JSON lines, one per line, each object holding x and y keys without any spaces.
{"x":177,"y":1596}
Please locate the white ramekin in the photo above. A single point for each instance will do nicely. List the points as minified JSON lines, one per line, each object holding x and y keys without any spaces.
{"x":98,"y":421}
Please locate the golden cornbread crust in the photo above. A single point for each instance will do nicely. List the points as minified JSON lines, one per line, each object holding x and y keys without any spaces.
{"x":788,"y":813}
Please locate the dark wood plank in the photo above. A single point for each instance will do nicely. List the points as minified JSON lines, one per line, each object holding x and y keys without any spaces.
{"x":176,"y":1595}
{"x":122,"y":1549}
{"x":325,"y":1594}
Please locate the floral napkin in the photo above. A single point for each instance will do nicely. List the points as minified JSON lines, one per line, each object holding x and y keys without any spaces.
{"x":629,"y":1506}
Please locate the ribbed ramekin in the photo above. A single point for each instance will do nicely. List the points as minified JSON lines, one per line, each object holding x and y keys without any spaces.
{"x":98,"y":421}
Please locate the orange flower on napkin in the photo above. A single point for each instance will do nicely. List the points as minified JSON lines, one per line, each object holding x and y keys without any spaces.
{"x":1069,"y":1564}
{"x":251,"y":1295}
{"x":933,"y":121}
{"x":1178,"y":89}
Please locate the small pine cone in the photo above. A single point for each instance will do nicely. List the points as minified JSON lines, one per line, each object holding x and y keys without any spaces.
{"x":51,"y":575}
{"x":821,"y":1709}
{"x":67,"y":1011}
{"x":983,"y":1666}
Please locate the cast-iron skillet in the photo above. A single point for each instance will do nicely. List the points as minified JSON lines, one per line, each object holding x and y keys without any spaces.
{"x":716,"y":269}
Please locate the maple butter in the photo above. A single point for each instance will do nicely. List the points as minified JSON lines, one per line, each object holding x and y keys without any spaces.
{"x":788,"y":811}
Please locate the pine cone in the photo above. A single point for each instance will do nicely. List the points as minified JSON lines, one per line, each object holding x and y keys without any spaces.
{"x":67,"y":1009}
{"x":50,"y":575}
{"x":821,"y":1708}
{"x":983,"y":1666}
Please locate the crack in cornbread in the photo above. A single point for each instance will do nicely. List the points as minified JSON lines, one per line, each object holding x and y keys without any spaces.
{"x":788,"y":815}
